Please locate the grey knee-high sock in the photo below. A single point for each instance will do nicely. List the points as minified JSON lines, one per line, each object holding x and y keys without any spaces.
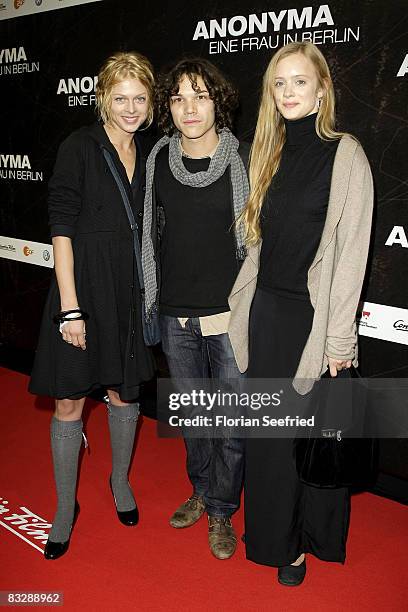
{"x":66,"y":439}
{"x":122,"y":427}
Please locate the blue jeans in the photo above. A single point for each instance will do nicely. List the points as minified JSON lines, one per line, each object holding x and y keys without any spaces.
{"x":214,"y":465}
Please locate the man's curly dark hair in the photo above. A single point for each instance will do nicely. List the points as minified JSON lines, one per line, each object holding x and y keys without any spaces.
{"x":221,"y":91}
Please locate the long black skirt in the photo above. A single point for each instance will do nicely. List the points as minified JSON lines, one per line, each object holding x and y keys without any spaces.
{"x":284,"y":517}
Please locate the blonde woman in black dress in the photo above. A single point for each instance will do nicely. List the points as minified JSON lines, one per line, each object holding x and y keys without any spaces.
{"x":91,"y":334}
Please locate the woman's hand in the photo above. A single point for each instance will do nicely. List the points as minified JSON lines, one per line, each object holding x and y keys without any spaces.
{"x":336,"y":365}
{"x":74,"y":333}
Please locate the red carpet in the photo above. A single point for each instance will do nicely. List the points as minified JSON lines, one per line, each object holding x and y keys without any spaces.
{"x":152,"y":566}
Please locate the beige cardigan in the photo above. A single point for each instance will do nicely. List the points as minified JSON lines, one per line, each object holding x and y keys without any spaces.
{"x":335,"y":277}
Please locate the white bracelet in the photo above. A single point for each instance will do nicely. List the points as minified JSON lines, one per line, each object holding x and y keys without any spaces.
{"x":72,"y":316}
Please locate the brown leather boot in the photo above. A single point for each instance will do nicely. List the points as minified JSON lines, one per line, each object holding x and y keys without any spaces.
{"x":188,"y":513}
{"x":221,"y":536}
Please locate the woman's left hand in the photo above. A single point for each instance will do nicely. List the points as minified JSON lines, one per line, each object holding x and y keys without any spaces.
{"x":336,"y":365}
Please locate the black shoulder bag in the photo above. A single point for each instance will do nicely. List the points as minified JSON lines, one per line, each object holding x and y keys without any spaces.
{"x":151,"y":327}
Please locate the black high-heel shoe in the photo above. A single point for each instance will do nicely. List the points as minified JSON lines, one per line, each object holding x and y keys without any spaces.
{"x":55,"y":550}
{"x":130,"y":518}
{"x":292,"y":575}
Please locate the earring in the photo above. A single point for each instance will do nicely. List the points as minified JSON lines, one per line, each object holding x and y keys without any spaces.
{"x":319,"y":103}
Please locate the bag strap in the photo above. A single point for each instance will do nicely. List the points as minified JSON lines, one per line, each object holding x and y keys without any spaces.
{"x":129,"y":212}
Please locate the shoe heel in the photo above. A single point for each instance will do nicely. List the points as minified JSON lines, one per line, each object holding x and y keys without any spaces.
{"x":130,"y":518}
{"x":55,"y":550}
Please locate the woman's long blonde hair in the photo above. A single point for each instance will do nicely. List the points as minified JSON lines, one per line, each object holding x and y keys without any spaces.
{"x":270,"y":133}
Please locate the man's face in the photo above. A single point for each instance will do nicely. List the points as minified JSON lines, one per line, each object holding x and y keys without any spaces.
{"x":192,"y":110}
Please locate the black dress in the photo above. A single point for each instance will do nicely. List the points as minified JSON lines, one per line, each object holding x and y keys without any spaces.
{"x":85,"y":204}
{"x":283,"y":517}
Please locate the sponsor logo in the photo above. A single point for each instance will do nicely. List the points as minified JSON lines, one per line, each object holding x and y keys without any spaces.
{"x":383,"y":322}
{"x":397,"y":236}
{"x":363,"y":320}
{"x":27,"y":251}
{"x":24,"y":524}
{"x":79,"y":91}
{"x":365,"y":317}
{"x":401,"y":325}
{"x":14,"y":61}
{"x":10,"y":8}
{"x":271,"y":29}
{"x":8,"y":247}
{"x":18,"y":167}
{"x":404,"y":67}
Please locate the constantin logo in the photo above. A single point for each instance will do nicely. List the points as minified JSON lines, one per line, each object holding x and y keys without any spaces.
{"x":18,"y":3}
{"x":46,"y":255}
{"x":401,"y":325}
{"x":38,"y":2}
{"x":27,"y":251}
{"x":365,"y":314}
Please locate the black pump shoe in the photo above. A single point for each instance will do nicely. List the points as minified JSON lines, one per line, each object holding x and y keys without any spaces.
{"x":130,"y":518}
{"x":292,"y":575}
{"x":54,"y":550}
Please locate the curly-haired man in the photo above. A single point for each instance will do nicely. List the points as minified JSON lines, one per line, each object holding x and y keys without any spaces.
{"x":196,"y":187}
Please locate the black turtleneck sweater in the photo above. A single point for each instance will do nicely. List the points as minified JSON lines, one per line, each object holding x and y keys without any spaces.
{"x":294,"y":210}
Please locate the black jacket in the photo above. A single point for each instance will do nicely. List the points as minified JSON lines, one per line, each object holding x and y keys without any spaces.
{"x":85,"y":205}
{"x":83,"y":196}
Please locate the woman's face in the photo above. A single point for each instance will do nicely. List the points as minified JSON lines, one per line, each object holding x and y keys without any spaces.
{"x":129,"y":105}
{"x":295,"y":87}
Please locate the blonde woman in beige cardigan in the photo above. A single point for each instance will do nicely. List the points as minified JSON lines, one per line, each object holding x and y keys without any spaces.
{"x":308,"y":222}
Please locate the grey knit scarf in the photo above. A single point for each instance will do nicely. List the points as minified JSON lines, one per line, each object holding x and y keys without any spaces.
{"x":225,"y":155}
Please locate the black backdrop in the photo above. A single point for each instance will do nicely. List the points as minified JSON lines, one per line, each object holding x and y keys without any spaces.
{"x":365,"y":45}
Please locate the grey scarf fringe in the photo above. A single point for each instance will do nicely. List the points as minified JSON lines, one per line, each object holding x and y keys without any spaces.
{"x":226,"y":155}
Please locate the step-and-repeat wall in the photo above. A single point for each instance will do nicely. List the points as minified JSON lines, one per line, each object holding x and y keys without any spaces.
{"x":50,"y":52}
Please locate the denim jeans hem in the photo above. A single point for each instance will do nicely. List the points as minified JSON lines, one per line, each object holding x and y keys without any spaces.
{"x":217,"y":514}
{"x":199,"y":493}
